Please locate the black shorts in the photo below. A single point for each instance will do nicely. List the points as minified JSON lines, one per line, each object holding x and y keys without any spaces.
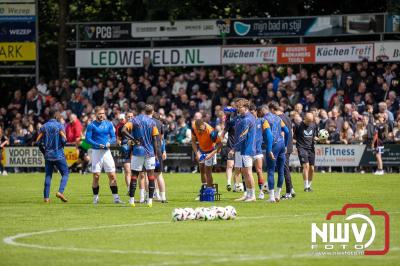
{"x":225,"y":154}
{"x":159,"y":166}
{"x":379,"y":149}
{"x":82,"y":154}
{"x":306,"y":156}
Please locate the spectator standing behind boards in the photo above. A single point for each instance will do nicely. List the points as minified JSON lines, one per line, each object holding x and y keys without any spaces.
{"x":346,"y":134}
{"x":360,"y":134}
{"x":179,"y":83}
{"x":75,"y":104}
{"x":335,"y":118}
{"x":334,"y":136}
{"x":73,"y":130}
{"x":383,"y":110}
{"x":33,"y":102}
{"x":323,"y":116}
{"x":184,"y":135}
{"x":328,"y":93}
{"x":16,"y":104}
{"x":290,"y":76}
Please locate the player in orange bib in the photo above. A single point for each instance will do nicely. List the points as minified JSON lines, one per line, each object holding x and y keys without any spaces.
{"x":209,"y":144}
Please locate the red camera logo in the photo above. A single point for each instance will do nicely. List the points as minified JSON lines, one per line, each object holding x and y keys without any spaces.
{"x":356,"y":229}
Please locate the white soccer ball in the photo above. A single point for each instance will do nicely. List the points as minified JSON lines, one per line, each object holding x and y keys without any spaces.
{"x":231,"y":212}
{"x":221,"y":213}
{"x":238,"y":187}
{"x":178,"y":215}
{"x":323,"y":134}
{"x":209,"y":214}
{"x":190,"y":214}
{"x":199,"y":213}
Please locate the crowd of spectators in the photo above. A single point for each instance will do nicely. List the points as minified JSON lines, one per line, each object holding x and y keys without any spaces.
{"x":347,"y":99}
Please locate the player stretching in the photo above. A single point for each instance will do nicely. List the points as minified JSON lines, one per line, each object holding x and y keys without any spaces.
{"x":276,"y":109}
{"x":51,"y":141}
{"x":100,"y":134}
{"x":273,"y":127}
{"x":160,"y":182}
{"x":305,"y":135}
{"x":245,"y":146}
{"x":206,"y":153}
{"x":144,"y":134}
{"x":258,"y":157}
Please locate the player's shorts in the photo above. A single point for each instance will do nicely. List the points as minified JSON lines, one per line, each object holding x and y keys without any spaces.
{"x":210,"y":162}
{"x":225,"y":154}
{"x":125,"y":153}
{"x":379,"y":149}
{"x":258,"y":156}
{"x":306,"y":156}
{"x":82,"y":153}
{"x":243,"y":160}
{"x":102,"y":159}
{"x":159,"y":166}
{"x":140,"y":162}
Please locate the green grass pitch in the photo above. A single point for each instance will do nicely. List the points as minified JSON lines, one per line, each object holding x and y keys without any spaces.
{"x":107,"y":234}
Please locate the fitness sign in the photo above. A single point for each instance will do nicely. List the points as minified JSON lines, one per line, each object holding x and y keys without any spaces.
{"x":356,"y":229}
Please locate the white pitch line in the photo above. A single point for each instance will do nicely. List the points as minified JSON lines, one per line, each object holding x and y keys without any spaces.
{"x":11,"y":240}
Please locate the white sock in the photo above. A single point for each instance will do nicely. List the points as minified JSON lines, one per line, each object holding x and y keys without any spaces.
{"x":279,"y":191}
{"x":150,"y":201}
{"x":253,"y":192}
{"x":271,"y":194}
{"x":96,"y":197}
{"x":163,"y":196}
{"x":309,"y":183}
{"x":305,"y":183}
{"x":229,"y":178}
{"x":142,"y":194}
{"x":157,"y":192}
{"x":132,"y":200}
{"x":115,"y":196}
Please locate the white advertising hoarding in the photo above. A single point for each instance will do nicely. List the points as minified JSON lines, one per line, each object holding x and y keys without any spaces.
{"x":387,"y":51}
{"x":133,"y":57}
{"x":343,"y":52}
{"x":175,"y":29}
{"x":248,"y":55}
{"x":333,"y":155}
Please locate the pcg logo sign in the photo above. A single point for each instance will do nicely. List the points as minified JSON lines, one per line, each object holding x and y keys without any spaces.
{"x":355,"y":230}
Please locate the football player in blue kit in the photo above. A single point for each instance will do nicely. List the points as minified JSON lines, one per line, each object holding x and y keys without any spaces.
{"x":273,"y":126}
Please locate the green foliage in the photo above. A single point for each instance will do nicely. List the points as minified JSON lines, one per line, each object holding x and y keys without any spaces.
{"x":146,"y":10}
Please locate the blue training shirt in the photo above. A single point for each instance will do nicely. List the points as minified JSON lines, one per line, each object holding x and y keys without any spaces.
{"x":245,"y":134}
{"x":100,"y":133}
{"x":259,"y":136}
{"x":273,"y":126}
{"x":275,"y":123}
{"x":52,"y":140}
{"x":145,"y":130}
